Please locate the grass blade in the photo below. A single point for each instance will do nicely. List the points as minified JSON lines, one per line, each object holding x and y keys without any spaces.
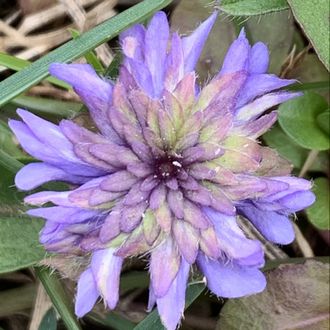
{"x":18,"y":64}
{"x":90,"y":57}
{"x":58,"y":296}
{"x":152,"y":321}
{"x":47,"y":106}
{"x":38,"y":70}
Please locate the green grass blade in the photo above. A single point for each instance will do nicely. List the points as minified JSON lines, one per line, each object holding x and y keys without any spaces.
{"x":9,"y":162}
{"x":58,"y":296}
{"x":152,"y":321}
{"x":112,"y":321}
{"x":38,"y":70}
{"x":112,"y":71}
{"x":18,"y":64}
{"x":47,"y":106}
{"x":90,"y":57}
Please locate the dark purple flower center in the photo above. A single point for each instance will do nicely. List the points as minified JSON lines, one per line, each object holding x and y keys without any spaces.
{"x":167,"y":167}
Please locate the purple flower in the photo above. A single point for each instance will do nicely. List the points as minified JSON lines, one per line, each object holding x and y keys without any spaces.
{"x":171,"y":167}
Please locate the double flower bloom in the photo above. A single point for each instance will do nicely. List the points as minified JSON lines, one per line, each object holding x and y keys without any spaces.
{"x":169,"y":170}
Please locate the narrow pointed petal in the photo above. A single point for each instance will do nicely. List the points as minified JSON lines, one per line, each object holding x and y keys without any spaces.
{"x":119,"y":181}
{"x":31,"y":144}
{"x":175,"y":201}
{"x":209,"y":243}
{"x":115,"y":155}
{"x":149,"y":184}
{"x":81,"y":150}
{"x":187,"y":239}
{"x":151,"y":229}
{"x":164,"y":217}
{"x":44,"y":130}
{"x":94,"y":91}
{"x":56,"y":197}
{"x":87,"y":293}
{"x":36,"y":174}
{"x":253,"y":129}
{"x":261,"y":104}
{"x":142,"y":76}
{"x":259,"y":84}
{"x":140,"y":169}
{"x":194,"y":215}
{"x":135,"y":244}
{"x":132,"y":41}
{"x":193,"y":44}
{"x":132,"y":216}
{"x":136,"y":195}
{"x":156,"y":39}
{"x":164,"y":256}
{"x":174,"y":64}
{"x":76,"y":133}
{"x":236,"y":58}
{"x":175,"y":296}
{"x":111,"y":226}
{"x":157,"y":197}
{"x":64,"y":215}
{"x":106,"y":268}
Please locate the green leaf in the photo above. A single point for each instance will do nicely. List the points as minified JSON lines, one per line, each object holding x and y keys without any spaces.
{"x":8,"y":143}
{"x":276,"y":31}
{"x":49,"y":321}
{"x":133,"y":280}
{"x":38,"y":70}
{"x":112,"y":320}
{"x":297,"y":117}
{"x":252,"y":7}
{"x":319,"y":85}
{"x":90,"y":57}
{"x":289,"y":150}
{"x":313,"y":16}
{"x":112,"y":70}
{"x":17,"y":64}
{"x":292,"y":152}
{"x":58,"y":296}
{"x":323,"y":120}
{"x":296,"y":297}
{"x":47,"y":106}
{"x":319,"y":213}
{"x":9,"y":163}
{"x":152,"y":321}
{"x":19,"y":243}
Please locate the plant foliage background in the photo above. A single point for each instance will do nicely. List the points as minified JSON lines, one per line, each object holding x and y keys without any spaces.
{"x":32,"y":295}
